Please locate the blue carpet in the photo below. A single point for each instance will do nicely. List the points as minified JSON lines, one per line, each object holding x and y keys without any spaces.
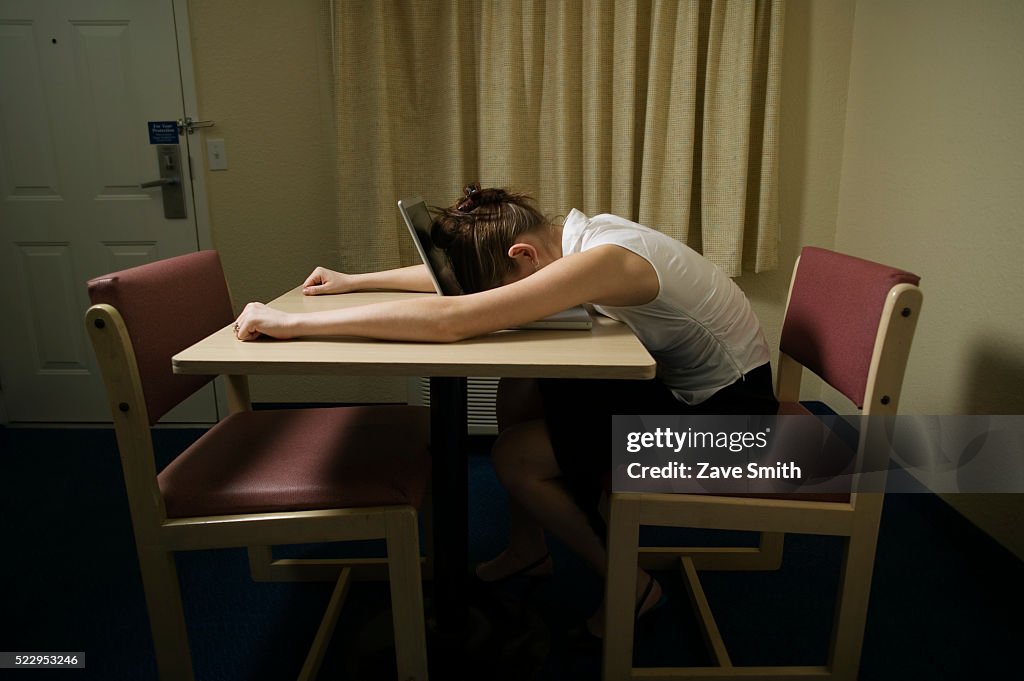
{"x":945,"y":603}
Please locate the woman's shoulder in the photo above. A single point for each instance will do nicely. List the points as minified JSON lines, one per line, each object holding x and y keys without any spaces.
{"x":612,"y":220}
{"x":578,"y":222}
{"x":581,"y":233}
{"x":608,"y":227}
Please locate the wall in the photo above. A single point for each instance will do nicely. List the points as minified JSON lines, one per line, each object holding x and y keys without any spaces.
{"x":263,"y":74}
{"x":932,"y":178}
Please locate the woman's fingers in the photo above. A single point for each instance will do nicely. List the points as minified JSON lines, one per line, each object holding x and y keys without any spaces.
{"x":247,"y":324}
{"x":314,"y":282}
{"x":323,"y":281}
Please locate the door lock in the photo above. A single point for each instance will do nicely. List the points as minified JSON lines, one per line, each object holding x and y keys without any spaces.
{"x":168,"y":158}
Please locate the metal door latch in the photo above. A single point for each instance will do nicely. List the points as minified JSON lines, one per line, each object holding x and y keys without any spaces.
{"x":187,"y":125}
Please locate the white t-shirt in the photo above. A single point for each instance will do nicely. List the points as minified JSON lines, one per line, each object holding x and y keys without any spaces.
{"x":700,"y":328}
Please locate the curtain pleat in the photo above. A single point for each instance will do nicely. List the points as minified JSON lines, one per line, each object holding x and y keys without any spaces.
{"x":726,"y":131}
{"x":662,"y":111}
{"x":666,"y":176}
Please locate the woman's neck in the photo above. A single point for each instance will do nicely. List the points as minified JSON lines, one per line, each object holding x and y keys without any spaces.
{"x":553,"y":241}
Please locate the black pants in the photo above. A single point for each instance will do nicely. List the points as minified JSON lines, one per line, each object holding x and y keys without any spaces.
{"x":578,"y":414}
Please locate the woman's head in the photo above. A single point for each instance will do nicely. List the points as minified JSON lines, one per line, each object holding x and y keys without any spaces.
{"x":478,"y":231}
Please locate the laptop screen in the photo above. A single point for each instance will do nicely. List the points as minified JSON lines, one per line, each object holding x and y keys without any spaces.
{"x":417,"y":219}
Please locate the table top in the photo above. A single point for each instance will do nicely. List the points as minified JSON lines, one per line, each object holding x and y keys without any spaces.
{"x":608,"y":350}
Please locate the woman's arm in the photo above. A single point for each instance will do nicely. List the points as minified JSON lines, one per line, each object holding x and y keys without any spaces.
{"x":607,"y":275}
{"x":323,"y":281}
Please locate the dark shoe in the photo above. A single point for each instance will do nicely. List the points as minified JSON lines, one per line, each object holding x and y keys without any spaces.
{"x":582,"y":639}
{"x":521,"y":573}
{"x":511,"y":599}
{"x":643,"y":599}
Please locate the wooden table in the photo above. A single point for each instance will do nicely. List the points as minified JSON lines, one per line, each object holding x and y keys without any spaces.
{"x":609,"y":350}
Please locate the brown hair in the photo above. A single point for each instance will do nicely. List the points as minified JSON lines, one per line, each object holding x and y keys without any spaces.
{"x":477,"y":231}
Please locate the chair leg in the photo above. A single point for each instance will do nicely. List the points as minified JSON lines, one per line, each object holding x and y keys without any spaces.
{"x":770,"y":550}
{"x":620,"y":588}
{"x":260,"y":560}
{"x":324,"y":633}
{"x":426,"y":513}
{"x":854,"y":594}
{"x":403,"y":547}
{"x":166,"y":616}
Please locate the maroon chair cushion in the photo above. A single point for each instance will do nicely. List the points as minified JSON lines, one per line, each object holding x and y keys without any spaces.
{"x":296,"y":459}
{"x":785,"y":409}
{"x":833,"y":315}
{"x":837,"y":449}
{"x":840,"y":497}
{"x":167,"y":306}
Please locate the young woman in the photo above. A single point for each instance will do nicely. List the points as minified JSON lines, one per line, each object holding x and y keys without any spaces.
{"x":516,"y":265}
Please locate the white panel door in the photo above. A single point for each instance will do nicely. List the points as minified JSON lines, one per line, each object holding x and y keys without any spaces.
{"x":79,"y":82}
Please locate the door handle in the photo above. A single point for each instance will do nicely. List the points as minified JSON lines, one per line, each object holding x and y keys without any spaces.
{"x":162,"y":182}
{"x":168,"y":158}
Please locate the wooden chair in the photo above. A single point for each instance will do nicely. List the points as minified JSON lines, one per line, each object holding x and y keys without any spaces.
{"x":851,"y":322}
{"x":257,"y":478}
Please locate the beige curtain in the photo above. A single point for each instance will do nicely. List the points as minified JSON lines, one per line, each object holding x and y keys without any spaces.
{"x":664,"y":112}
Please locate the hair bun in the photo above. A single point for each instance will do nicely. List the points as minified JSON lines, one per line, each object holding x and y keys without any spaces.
{"x":486,"y":197}
{"x":458,"y":222}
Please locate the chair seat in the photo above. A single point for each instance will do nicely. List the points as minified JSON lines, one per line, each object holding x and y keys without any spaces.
{"x":793,"y":409}
{"x":299,"y":459}
{"x":839,"y":456}
{"x":797,"y":409}
{"x":835,"y":497}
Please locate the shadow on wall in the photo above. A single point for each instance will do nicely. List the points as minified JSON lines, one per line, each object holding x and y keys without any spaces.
{"x":995,"y":374}
{"x":794,"y":125}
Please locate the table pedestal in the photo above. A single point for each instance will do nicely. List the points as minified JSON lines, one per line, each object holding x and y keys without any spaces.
{"x":449,"y":481}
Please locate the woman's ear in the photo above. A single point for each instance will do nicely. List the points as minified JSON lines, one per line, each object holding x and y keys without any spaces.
{"x":524,"y":251}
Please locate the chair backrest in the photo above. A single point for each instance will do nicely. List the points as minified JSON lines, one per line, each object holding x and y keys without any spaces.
{"x":832,"y":323}
{"x":167,"y":306}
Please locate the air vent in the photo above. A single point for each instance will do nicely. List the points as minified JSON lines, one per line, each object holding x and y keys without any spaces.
{"x":482,"y":394}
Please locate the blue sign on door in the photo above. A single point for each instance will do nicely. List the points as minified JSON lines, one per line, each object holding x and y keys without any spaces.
{"x":163,"y":132}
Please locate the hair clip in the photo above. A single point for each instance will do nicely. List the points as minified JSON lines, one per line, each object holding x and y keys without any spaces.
{"x":469,"y":203}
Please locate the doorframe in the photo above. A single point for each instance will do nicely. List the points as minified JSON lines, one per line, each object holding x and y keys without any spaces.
{"x":190,"y":99}
{"x":200,"y":205}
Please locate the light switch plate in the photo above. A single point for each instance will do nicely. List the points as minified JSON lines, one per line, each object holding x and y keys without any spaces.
{"x":216,"y":155}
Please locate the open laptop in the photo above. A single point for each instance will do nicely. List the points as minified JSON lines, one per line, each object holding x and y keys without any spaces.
{"x":417,"y":219}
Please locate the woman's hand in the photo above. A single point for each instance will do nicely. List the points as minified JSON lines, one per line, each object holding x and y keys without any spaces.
{"x":258,"y":319}
{"x":323,"y":281}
